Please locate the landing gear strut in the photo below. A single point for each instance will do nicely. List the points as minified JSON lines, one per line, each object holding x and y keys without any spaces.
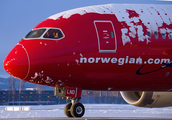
{"x":74,"y":108}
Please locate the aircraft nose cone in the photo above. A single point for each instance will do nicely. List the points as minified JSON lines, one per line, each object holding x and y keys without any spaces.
{"x":17,"y":62}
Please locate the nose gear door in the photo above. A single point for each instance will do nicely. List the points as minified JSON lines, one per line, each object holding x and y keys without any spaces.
{"x":106,"y":36}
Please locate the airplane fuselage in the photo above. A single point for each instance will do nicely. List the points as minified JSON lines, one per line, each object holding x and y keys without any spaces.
{"x":107,"y":47}
{"x":103,"y":51}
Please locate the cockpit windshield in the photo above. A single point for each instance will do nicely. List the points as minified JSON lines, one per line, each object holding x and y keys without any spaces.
{"x":35,"y":33}
{"x":45,"y":33}
{"x":53,"y":33}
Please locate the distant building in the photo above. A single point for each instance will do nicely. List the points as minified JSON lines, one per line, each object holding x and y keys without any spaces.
{"x":29,"y":97}
{"x":31,"y":89}
{"x":35,"y":97}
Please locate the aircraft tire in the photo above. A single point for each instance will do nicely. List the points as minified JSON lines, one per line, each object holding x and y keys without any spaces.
{"x":67,"y":110}
{"x":77,"y":110}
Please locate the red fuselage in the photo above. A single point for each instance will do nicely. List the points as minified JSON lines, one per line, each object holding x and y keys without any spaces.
{"x":114,"y":49}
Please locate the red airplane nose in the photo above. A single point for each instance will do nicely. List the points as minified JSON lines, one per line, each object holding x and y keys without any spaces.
{"x":17,"y":62}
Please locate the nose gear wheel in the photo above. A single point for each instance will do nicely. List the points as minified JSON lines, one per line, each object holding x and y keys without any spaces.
{"x":74,"y":110}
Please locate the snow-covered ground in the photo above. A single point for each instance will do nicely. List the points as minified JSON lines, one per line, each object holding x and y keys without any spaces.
{"x":92,"y":110}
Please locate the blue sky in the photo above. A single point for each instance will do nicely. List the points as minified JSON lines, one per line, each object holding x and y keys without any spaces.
{"x":18,"y":17}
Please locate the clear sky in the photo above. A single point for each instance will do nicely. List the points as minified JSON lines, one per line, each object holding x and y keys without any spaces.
{"x":18,"y":17}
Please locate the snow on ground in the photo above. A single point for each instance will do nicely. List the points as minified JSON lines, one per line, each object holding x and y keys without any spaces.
{"x":92,"y":110}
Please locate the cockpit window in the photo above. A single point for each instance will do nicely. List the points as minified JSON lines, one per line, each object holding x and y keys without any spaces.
{"x":35,"y":33}
{"x":45,"y":33}
{"x":53,"y":34}
{"x":170,"y":35}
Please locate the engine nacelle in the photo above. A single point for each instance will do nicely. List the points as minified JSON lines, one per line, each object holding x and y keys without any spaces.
{"x":148,"y":99}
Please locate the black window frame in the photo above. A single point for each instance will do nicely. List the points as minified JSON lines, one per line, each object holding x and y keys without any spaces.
{"x":170,"y":35}
{"x":53,"y":33}
{"x":148,"y":34}
{"x":32,"y":32}
{"x":156,"y":34}
{"x":163,"y":35}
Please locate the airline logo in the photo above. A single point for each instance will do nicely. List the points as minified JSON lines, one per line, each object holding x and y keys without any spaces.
{"x":123,"y":60}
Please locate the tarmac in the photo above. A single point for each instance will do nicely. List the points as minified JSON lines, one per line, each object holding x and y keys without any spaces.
{"x":92,"y":112}
{"x":90,"y":118}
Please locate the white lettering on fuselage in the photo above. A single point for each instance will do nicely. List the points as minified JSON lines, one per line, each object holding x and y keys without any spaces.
{"x":72,"y":92}
{"x":123,"y":60}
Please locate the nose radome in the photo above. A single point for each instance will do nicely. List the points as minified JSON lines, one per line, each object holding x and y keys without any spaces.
{"x":17,"y":62}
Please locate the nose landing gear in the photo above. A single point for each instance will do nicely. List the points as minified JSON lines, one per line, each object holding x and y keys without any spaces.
{"x":74,"y":108}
